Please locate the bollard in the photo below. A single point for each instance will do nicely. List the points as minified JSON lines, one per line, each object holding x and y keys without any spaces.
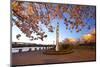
{"x":20,"y":50}
{"x":39,"y":48}
{"x":35,"y":49}
{"x":29,"y":50}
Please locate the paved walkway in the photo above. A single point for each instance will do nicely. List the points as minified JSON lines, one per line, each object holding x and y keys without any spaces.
{"x":38,"y":57}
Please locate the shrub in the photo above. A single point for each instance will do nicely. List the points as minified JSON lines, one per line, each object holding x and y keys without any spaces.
{"x":65,"y":46}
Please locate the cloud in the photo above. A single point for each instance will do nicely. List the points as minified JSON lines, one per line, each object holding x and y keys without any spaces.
{"x":70,"y":41}
{"x":89,"y":37}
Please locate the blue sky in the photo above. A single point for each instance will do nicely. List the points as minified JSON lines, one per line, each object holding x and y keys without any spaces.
{"x":51,"y":36}
{"x":63,"y":33}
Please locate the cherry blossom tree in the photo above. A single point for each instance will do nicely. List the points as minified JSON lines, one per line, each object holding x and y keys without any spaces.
{"x":27,"y":16}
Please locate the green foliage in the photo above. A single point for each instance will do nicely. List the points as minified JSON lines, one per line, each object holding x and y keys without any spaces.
{"x":91,"y":46}
{"x":66,"y":47}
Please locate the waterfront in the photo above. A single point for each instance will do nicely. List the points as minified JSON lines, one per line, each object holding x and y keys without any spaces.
{"x":35,"y":48}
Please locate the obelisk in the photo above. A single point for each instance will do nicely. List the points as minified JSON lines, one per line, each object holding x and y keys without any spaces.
{"x":57,"y":37}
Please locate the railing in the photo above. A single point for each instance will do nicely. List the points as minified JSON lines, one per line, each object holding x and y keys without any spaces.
{"x":29,"y":49}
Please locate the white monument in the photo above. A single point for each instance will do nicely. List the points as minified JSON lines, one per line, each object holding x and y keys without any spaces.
{"x":57,"y":37}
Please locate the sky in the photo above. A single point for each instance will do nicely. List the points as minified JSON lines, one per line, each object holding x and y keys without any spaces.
{"x":51,"y":36}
